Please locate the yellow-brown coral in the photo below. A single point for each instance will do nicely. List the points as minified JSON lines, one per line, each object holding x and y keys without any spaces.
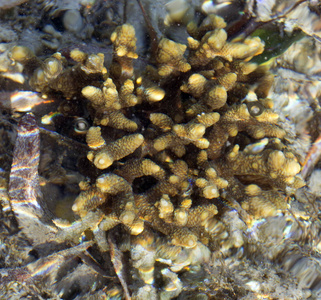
{"x":191,"y":134}
{"x":124,"y":42}
{"x":170,"y":57}
{"x":104,"y":157}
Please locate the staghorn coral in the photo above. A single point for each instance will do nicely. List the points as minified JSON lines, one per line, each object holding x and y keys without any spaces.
{"x":191,"y":155}
{"x":114,"y":96}
{"x":181,"y":134}
{"x":53,"y":75}
{"x":124,"y":41}
{"x":170,"y":58}
{"x":109,"y":102}
{"x":209,"y":40}
{"x":232,"y":123}
{"x":111,"y":186}
{"x":262,"y":203}
{"x":116,"y":150}
{"x":180,"y":204}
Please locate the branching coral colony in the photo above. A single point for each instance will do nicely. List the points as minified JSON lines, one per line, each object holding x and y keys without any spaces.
{"x":179,"y":143}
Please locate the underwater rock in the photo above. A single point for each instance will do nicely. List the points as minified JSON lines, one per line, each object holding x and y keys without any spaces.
{"x":5,"y":4}
{"x":24,"y":188}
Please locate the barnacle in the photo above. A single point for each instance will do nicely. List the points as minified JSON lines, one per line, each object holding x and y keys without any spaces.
{"x":12,"y":71}
{"x":21,"y":54}
{"x":178,"y":11}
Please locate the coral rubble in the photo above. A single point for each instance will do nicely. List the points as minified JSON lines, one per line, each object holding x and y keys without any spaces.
{"x":183,"y":156}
